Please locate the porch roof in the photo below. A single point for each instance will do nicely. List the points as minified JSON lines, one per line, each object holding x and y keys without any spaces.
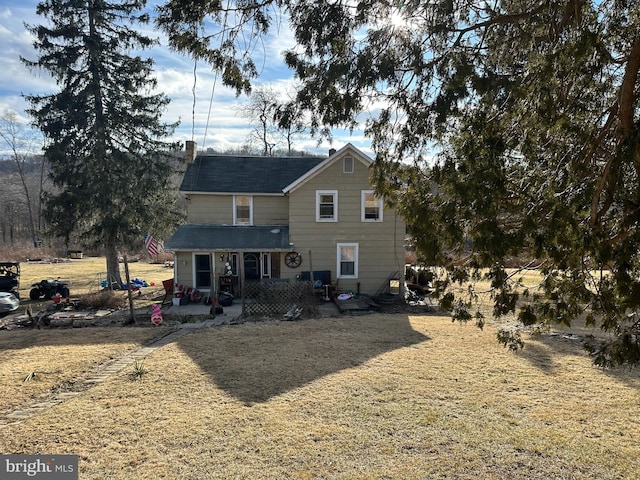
{"x":229,"y":237}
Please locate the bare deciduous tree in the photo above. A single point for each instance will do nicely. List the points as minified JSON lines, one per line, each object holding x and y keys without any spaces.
{"x":21,"y":143}
{"x":260,"y":111}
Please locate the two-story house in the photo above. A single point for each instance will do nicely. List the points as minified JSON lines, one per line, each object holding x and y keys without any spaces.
{"x":252,"y":218}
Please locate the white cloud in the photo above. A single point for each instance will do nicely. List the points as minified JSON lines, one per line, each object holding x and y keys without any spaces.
{"x":216,"y":116}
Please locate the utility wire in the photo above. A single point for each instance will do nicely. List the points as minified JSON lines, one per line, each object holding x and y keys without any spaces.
{"x":215,"y":78}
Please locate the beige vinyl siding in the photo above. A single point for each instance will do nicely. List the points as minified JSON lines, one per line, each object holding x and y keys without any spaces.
{"x":218,"y":209}
{"x":270,"y":210}
{"x":210,"y":209}
{"x":184,"y":264}
{"x":380,"y":244}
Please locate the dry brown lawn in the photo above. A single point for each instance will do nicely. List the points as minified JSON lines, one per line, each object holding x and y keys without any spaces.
{"x":372,"y":397}
{"x":35,"y":363}
{"x":85,"y":275}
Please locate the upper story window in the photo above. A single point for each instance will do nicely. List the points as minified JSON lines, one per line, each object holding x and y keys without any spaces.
{"x":371,"y":207}
{"x":347,"y":164}
{"x":242,"y":210}
{"x":326,"y":205}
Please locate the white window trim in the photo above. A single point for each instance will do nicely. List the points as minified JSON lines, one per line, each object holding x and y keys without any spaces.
{"x":265,"y":267}
{"x":363,"y":198}
{"x":344,"y":165}
{"x":234,"y":261}
{"x":335,"y":205}
{"x":235,"y":210}
{"x":338,"y":262}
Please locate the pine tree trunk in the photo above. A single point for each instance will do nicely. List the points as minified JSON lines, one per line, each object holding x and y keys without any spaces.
{"x":113,"y":266}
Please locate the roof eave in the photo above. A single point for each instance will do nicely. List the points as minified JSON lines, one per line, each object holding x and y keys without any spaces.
{"x":255,"y":194}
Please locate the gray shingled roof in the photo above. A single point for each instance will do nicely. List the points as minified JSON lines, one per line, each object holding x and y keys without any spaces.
{"x":245,"y":174}
{"x":229,"y":237}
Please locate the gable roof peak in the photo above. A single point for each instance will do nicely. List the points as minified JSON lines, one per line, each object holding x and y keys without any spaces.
{"x":337,"y":154}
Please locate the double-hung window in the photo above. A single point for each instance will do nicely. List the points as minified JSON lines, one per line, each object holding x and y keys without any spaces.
{"x":242,"y":210}
{"x":347,"y":264}
{"x":371,"y":207}
{"x":326,"y":205}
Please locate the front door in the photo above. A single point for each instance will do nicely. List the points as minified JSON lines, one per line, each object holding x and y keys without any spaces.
{"x":252,"y":266}
{"x":203,"y":271}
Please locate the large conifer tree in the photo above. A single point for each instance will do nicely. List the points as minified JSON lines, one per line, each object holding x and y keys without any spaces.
{"x":504,"y":130}
{"x":103,"y":128}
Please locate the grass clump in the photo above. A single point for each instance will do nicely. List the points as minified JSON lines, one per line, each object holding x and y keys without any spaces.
{"x":139,"y":370}
{"x":105,"y":299}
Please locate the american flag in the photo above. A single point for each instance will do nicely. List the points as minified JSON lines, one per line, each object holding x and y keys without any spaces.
{"x":153,"y":247}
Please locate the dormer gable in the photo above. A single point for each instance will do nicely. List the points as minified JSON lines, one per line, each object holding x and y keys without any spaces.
{"x":349,"y":156}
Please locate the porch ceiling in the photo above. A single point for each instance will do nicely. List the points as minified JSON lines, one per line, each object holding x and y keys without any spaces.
{"x":229,"y":237}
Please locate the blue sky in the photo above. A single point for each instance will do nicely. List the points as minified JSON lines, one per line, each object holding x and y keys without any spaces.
{"x":217,"y":123}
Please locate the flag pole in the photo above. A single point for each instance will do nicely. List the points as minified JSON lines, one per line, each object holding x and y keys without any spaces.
{"x":126,"y":272}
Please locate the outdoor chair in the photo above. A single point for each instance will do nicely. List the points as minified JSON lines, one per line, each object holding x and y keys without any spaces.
{"x":168,"y":292}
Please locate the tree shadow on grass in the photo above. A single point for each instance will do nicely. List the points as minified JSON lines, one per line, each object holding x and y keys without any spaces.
{"x":548,"y":352}
{"x":25,"y":338}
{"x":255,"y":362}
{"x":539,"y":356}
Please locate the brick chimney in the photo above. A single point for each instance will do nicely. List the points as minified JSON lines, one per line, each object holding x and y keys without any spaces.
{"x":190,"y":151}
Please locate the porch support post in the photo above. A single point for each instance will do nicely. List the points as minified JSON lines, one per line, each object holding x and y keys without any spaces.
{"x":241,"y":277}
